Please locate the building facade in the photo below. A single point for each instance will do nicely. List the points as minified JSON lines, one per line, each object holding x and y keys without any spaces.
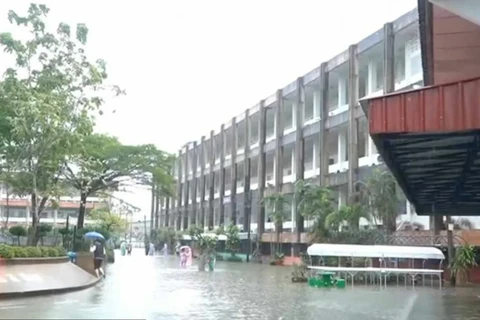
{"x":313,"y":129}
{"x":17,"y":209}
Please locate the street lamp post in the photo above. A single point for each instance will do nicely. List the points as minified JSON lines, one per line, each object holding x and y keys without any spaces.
{"x":249,"y":213}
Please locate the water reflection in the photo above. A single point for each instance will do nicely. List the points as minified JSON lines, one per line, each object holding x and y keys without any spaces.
{"x":156,"y":288}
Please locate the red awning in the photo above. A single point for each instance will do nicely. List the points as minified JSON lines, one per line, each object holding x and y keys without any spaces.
{"x":449,"y":107}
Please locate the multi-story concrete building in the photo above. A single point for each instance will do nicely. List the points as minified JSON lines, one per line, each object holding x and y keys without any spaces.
{"x":312,"y":129}
{"x":18,"y":209}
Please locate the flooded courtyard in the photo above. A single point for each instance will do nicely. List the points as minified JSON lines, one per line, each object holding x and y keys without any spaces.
{"x":140,"y":287}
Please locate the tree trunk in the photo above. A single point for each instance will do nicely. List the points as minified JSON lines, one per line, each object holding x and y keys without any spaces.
{"x":202,"y":262}
{"x":82,"y":210}
{"x":33,"y":234}
{"x":8,"y":208}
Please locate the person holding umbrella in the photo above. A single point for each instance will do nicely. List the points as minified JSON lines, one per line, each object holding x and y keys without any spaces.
{"x":99,"y":252}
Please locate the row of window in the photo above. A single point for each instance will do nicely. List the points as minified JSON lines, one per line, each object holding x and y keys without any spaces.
{"x":408,"y":68}
{"x":22,"y":213}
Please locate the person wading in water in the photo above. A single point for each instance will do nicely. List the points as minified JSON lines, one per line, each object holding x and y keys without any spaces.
{"x":98,"y":256}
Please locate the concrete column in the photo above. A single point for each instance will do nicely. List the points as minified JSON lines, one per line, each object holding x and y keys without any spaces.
{"x":342,"y":198}
{"x":155,"y":221}
{"x":192,"y":217}
{"x":27,"y":211}
{"x":203,"y":177}
{"x":353,"y":122}
{"x":211,"y":191}
{"x":55,"y":216}
{"x":169,"y":204}
{"x":186,"y":190}
{"x":262,"y":124}
{"x":223,"y":145}
{"x":153,"y":195}
{"x":388,"y":59}
{"x":166,"y":217}
{"x":247,"y":201}
{"x":279,"y":125}
{"x":160,"y":213}
{"x":323,"y":142}
{"x":233,"y":184}
{"x":436,"y":223}
{"x":342,"y":146}
{"x":298,"y":221}
{"x":177,"y":214}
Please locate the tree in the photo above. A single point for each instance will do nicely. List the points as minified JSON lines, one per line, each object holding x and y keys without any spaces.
{"x":233,"y":239}
{"x":206,"y":245}
{"x":109,"y":221}
{"x":277,"y":207}
{"x":103,"y":164}
{"x":18,"y":231}
{"x":349,"y":214}
{"x":51,"y":96}
{"x":44,"y":229}
{"x":465,"y":259}
{"x":379,"y":195}
{"x":462,"y":224}
{"x":314,"y":202}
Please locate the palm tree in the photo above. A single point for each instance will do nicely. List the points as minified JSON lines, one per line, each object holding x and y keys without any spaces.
{"x":277,"y":207}
{"x":379,"y":195}
{"x":314,"y":202}
{"x":462,"y":224}
{"x":350,"y":214}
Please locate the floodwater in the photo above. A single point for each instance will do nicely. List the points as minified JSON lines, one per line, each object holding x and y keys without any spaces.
{"x":140,"y":287}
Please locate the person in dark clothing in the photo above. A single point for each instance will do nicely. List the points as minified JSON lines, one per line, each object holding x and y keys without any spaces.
{"x":98,"y":256}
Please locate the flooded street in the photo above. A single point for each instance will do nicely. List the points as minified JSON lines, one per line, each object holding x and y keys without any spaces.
{"x":140,"y":287}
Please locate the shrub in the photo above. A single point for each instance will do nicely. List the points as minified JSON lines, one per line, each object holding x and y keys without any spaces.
{"x":61,"y":251}
{"x":9,"y":252}
{"x":52,"y":252}
{"x":6,"y":251}
{"x":234,"y":259}
{"x":20,"y":252}
{"x":33,"y":252}
{"x":110,"y":255}
{"x":44,"y":251}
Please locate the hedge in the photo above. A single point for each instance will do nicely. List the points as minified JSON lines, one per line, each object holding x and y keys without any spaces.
{"x":8,"y":252}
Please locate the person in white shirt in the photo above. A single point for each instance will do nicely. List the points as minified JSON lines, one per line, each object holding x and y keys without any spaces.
{"x":99,"y":254}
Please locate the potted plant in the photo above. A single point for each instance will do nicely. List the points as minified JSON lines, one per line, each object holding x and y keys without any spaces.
{"x":299,"y":273}
{"x":464,"y":260}
{"x":278,"y":259}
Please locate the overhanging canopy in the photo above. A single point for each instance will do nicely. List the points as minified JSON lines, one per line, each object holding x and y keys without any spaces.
{"x":374,"y":251}
{"x":430,"y":140}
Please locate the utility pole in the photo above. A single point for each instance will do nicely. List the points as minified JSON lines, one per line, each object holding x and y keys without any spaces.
{"x":249,"y":214}
{"x":450,"y":245}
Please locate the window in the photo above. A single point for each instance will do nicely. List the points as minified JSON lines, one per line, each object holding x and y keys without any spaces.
{"x":415,"y":59}
{"x":379,"y":76}
{"x":400,"y":65}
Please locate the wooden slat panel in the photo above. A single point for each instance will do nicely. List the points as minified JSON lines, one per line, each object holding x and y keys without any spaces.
{"x":444,"y":108}
{"x":456,"y":47}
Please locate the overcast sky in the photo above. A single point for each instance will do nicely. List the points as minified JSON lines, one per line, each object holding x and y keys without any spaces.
{"x":189,"y":65}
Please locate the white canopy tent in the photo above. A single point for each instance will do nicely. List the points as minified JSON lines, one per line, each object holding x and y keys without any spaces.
{"x":374,"y":251}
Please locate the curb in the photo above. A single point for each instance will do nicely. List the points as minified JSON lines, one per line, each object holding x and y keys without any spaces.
{"x":23,"y":261}
{"x":22,"y":294}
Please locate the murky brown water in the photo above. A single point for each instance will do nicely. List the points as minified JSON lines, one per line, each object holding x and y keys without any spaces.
{"x":140,"y":287}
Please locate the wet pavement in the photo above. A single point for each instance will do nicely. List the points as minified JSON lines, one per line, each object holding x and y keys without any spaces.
{"x":140,"y":287}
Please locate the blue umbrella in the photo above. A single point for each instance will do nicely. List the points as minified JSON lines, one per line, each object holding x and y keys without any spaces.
{"x":94,"y":235}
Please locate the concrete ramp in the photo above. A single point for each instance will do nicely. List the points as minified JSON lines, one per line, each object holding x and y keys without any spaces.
{"x":18,"y":279}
